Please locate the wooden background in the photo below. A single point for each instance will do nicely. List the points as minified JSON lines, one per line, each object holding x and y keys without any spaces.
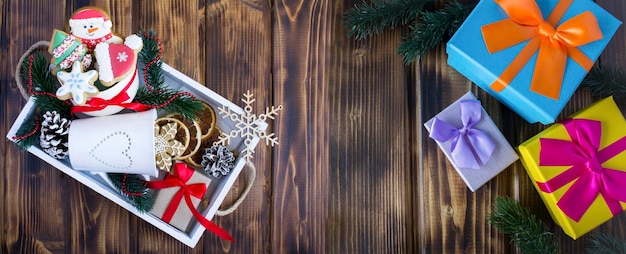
{"x":355,"y":171}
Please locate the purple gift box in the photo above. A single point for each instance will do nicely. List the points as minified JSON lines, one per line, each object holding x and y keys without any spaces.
{"x":471,"y":141}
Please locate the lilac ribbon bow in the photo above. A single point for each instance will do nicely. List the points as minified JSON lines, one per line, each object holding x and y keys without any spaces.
{"x":471,"y":147}
{"x":585,"y":158}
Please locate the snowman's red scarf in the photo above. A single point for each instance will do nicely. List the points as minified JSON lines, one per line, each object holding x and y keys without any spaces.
{"x":91,"y":43}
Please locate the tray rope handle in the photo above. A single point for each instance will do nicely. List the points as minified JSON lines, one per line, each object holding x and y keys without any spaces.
{"x":252,"y":169}
{"x":18,"y":80}
{"x":251,"y":176}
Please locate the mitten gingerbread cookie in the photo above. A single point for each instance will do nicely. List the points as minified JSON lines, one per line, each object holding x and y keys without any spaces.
{"x":77,"y":84}
{"x":91,"y":25}
{"x":117,"y":61}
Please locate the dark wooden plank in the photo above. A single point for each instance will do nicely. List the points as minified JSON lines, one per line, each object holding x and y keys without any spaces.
{"x":4,"y":127}
{"x":176,"y":25}
{"x":238,"y":57}
{"x":452,"y":218}
{"x":29,"y":185}
{"x":369,"y":180}
{"x":301,"y":33}
{"x":355,"y":170}
{"x":93,"y":217}
{"x":614,"y":53}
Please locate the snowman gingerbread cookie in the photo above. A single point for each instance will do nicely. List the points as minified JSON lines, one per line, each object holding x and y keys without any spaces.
{"x":88,"y":27}
{"x":92,"y":25}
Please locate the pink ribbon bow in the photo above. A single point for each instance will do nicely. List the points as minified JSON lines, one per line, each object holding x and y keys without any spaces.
{"x":585,"y":158}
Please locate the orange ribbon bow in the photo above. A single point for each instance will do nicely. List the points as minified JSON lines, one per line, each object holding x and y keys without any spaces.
{"x":525,"y":22}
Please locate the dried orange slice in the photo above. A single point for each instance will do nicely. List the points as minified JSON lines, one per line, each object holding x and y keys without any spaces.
{"x":207,"y":120}
{"x":196,"y":159}
{"x":194,"y":135}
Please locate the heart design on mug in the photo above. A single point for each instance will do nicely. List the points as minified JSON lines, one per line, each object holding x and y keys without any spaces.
{"x":112,"y":151}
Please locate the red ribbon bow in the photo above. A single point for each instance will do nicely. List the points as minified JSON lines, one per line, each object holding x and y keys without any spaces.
{"x":181,"y":173}
{"x":554,"y":43}
{"x":95,"y":103}
{"x":590,"y":178}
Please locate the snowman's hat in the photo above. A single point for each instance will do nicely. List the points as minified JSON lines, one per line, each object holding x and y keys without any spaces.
{"x":88,"y":15}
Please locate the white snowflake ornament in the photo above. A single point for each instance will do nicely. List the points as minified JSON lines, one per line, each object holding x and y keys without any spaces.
{"x":247,"y":125}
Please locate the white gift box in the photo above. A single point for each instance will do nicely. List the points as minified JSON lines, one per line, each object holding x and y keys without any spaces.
{"x":503,"y":154}
{"x":101,"y":184}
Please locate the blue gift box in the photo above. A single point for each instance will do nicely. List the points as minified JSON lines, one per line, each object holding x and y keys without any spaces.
{"x":468,"y":54}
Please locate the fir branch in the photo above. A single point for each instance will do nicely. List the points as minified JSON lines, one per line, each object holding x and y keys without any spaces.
{"x":432,"y":28}
{"x":365,"y":19}
{"x":134,"y":189}
{"x":44,"y":86}
{"x":526,"y":231}
{"x":150,"y":52}
{"x":43,"y":80}
{"x":186,"y":106}
{"x":156,"y":93}
{"x":29,"y":126}
{"x":601,"y":243}
{"x":47,"y":103}
{"x":606,"y":80}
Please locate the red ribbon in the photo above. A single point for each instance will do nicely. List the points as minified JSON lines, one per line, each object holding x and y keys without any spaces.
{"x":582,"y":153}
{"x":180,"y":175}
{"x":95,"y":103}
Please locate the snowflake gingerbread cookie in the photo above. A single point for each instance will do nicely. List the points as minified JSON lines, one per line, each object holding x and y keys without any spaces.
{"x":77,"y":84}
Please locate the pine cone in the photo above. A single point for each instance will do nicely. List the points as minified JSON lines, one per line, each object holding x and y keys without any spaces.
{"x":218,"y":160}
{"x":54,"y":135}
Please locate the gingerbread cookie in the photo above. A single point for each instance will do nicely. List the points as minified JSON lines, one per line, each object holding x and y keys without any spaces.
{"x":171,"y":139}
{"x":92,"y":25}
{"x":67,"y":49}
{"x":77,"y":84}
{"x":117,"y":61}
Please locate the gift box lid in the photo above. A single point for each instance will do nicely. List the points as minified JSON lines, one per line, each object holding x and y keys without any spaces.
{"x":503,"y":154}
{"x":467,"y":53}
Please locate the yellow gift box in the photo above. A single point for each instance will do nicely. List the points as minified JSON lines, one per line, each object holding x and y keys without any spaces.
{"x":613,"y":128}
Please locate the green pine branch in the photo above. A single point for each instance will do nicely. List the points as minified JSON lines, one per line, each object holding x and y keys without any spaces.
{"x":133,"y":187}
{"x":150,"y":51}
{"x":186,"y":106}
{"x":604,"y":81}
{"x":28,"y":126}
{"x":365,"y":19}
{"x":526,"y":231}
{"x":601,"y":243}
{"x":432,"y":28}
{"x":159,"y":94}
{"x":44,"y":81}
